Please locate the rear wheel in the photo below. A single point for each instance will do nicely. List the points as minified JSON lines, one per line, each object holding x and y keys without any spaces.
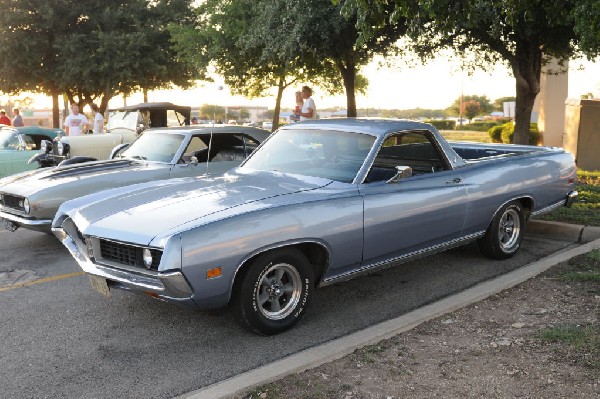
{"x":273,"y":293}
{"x":503,"y":236}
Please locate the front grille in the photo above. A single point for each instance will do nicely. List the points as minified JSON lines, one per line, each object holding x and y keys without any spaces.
{"x":128,"y":255}
{"x":12,"y":201}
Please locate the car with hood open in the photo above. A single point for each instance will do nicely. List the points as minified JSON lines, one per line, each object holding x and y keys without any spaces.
{"x":124,"y":125}
{"x":318,"y":202}
{"x":30,"y":199}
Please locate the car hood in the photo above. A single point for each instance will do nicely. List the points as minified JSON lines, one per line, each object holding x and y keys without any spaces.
{"x":28,"y":183}
{"x":143,"y":212}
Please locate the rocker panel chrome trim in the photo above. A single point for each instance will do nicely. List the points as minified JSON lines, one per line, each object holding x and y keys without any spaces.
{"x":403,"y":258}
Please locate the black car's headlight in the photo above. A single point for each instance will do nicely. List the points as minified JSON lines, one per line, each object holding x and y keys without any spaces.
{"x":62,"y":148}
{"x":46,"y":146}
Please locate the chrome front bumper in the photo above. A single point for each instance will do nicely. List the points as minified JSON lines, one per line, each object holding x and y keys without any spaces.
{"x":170,"y":286}
{"x":31,"y":224}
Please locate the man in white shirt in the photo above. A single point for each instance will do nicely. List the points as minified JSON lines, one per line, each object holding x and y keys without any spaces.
{"x":98,"y":120}
{"x":309,"y":109}
{"x":76,"y":123}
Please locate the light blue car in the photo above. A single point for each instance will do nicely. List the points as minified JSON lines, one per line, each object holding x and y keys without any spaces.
{"x":318,"y":202}
{"x":19,"y":144}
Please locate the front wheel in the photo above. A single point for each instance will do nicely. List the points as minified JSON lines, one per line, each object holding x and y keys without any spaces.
{"x":504,"y":234}
{"x":273,"y":293}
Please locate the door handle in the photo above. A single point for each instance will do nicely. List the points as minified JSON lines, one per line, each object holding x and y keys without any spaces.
{"x":456,"y":180}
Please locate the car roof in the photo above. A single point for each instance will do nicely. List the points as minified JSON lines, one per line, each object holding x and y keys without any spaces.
{"x":256,"y":133}
{"x":371,"y":126}
{"x":154,"y":106}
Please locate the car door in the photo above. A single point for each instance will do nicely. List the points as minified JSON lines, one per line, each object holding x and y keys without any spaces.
{"x":415,"y":213}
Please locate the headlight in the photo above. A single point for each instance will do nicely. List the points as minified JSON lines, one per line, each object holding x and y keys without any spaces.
{"x":147,"y":255}
{"x":24,"y":203}
{"x":46,"y":146}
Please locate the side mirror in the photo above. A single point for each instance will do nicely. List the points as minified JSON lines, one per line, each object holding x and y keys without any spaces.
{"x":140,"y":128}
{"x":116,"y":151}
{"x":402,"y":172}
{"x":193,"y":161}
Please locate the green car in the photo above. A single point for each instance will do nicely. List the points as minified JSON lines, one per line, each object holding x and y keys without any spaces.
{"x":18,"y":144}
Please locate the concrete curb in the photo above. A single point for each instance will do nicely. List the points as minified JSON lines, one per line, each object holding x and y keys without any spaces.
{"x":563,"y":231}
{"x":316,"y":356}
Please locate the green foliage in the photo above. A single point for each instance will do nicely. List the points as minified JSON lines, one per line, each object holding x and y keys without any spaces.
{"x":496,"y":133}
{"x":90,"y":50}
{"x":505,"y":133}
{"x":522,"y":34}
{"x":481,"y":126}
{"x":586,"y":211}
{"x":485,"y":106}
{"x":442,"y":124}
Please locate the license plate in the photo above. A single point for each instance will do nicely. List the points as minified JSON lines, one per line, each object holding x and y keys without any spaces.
{"x":100,"y":285}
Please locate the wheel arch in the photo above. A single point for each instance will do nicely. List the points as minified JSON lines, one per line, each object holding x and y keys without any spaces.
{"x":316,"y":251}
{"x":526,"y":201}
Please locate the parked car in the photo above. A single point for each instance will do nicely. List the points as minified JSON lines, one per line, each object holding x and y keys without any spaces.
{"x":18,"y":144}
{"x":124,"y":125}
{"x":30,"y":200}
{"x":318,"y":202}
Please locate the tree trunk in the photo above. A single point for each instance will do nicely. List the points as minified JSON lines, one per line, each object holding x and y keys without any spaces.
{"x":348,"y":71}
{"x":55,"y":110}
{"x":280,"y":87}
{"x":527,"y":68}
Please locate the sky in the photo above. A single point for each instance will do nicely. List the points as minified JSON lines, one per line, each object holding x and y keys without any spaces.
{"x":435,"y":85}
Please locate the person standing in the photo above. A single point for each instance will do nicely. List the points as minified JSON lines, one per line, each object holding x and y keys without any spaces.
{"x":75,"y":123}
{"x":98,"y":120}
{"x":309,"y":109}
{"x":17,"y":120}
{"x":4,"y":120}
{"x":299,"y":103}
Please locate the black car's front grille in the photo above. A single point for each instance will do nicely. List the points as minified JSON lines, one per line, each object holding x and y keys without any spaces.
{"x":12,"y":201}
{"x":128,"y":255}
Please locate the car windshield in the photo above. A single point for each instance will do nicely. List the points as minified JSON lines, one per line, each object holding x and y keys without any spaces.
{"x":155,"y":147}
{"x":9,"y":139}
{"x":329,"y":154}
{"x":124,"y":120}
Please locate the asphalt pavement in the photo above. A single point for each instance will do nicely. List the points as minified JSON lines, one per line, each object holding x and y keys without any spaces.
{"x":588,"y":238}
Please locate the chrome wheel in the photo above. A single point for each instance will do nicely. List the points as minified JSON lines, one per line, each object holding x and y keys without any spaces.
{"x":273,"y":292}
{"x":278,"y":291}
{"x":503,"y":237}
{"x":509,"y":229}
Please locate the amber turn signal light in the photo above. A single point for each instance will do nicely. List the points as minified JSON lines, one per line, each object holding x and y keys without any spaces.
{"x":214,"y":273}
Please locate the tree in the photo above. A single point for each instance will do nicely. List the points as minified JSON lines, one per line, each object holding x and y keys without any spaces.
{"x":91,"y":51}
{"x":258,"y":45}
{"x":523,"y":34}
{"x":470,"y":109}
{"x":485,"y":107}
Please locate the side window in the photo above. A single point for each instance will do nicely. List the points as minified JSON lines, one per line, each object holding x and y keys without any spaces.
{"x":174,"y":118}
{"x":194,"y":149}
{"x":413,"y":149}
{"x":13,"y":142}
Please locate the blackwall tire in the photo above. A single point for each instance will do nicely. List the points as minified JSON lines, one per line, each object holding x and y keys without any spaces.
{"x":273,"y":292}
{"x":503,"y":237}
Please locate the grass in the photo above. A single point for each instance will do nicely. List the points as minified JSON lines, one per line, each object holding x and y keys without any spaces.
{"x":586,"y":211}
{"x":584,"y":269}
{"x":581,"y":343}
{"x":466,"y":135}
